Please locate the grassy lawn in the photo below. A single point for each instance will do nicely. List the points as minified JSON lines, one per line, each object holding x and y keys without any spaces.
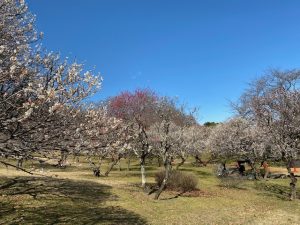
{"x":74,"y":196}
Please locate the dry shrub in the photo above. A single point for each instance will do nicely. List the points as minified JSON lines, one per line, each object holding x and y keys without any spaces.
{"x":178,"y":181}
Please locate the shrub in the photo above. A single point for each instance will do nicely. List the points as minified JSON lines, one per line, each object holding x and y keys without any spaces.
{"x":178,"y":181}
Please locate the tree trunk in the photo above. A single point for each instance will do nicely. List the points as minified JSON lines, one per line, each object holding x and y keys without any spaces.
{"x":143,"y":171}
{"x":63,"y":159}
{"x":293,"y":184}
{"x":165,"y":181}
{"x":111,"y":167}
{"x":119,"y":164}
{"x":254,"y":170}
{"x":159,"y":161}
{"x":181,"y":163}
{"x":95,"y":168}
{"x":19,"y":163}
{"x":199,"y":162}
{"x":128,"y":164}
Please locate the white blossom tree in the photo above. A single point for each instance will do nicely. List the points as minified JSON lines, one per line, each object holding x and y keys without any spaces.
{"x":195,"y":142}
{"x":273,"y":104}
{"x":39,"y":92}
{"x":239,"y":139}
{"x":166,"y":135}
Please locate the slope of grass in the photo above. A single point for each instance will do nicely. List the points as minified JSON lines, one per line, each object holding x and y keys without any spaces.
{"x":74,"y":196}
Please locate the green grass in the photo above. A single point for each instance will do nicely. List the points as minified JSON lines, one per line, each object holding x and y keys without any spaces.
{"x":74,"y":196}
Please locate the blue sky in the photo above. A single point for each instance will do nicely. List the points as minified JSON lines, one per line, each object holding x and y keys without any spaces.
{"x":203,"y":52}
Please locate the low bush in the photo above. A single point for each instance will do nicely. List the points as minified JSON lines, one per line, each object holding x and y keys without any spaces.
{"x":178,"y":181}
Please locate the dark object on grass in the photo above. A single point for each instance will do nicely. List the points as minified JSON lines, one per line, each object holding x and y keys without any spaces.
{"x":96,"y":172}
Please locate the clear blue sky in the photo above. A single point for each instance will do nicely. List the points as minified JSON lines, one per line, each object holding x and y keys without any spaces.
{"x":204,"y":52}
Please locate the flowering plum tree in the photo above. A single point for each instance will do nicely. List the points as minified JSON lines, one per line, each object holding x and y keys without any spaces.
{"x":239,"y":139}
{"x":39,"y":92}
{"x":137,"y":109}
{"x":166,"y":134}
{"x":273,"y":104}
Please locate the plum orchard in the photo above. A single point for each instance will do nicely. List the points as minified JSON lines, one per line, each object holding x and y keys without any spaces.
{"x":42,"y":112}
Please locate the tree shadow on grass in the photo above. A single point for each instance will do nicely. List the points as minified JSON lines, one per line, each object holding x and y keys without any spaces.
{"x":274,"y":190}
{"x":35,"y":200}
{"x":232,"y":183}
{"x":199,"y":173}
{"x":132,"y":174}
{"x":73,"y":167}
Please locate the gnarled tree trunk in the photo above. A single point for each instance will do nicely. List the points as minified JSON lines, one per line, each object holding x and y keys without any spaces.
{"x":165,"y":181}
{"x":252,"y":164}
{"x":159,"y":162}
{"x":95,"y":168}
{"x":63,"y":158}
{"x":20,"y":163}
{"x":181,"y":163}
{"x":293,"y":184}
{"x":199,"y":162}
{"x":115,"y":162}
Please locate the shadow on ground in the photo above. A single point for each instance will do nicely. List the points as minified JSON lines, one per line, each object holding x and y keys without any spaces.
{"x":35,"y":200}
{"x":202,"y":174}
{"x":275,"y":190}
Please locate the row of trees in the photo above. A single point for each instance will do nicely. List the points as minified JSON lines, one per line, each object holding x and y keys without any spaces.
{"x":267,"y":126}
{"x":42,"y":108}
{"x":42,"y":112}
{"x":160,"y":128}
